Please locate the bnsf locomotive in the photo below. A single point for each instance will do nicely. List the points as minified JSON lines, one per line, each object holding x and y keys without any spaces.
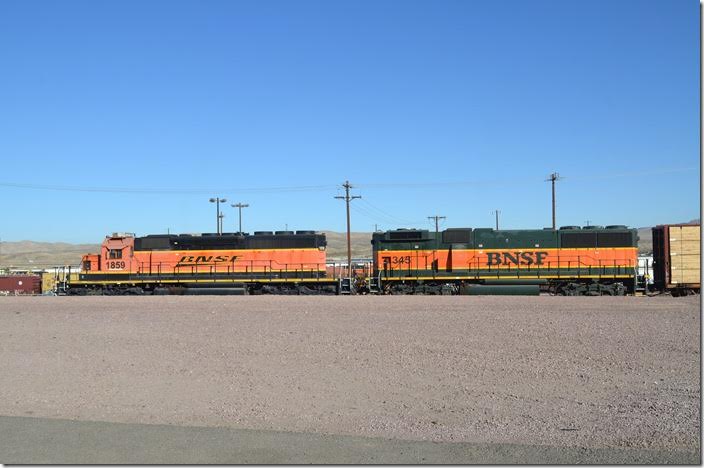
{"x":228,"y":263}
{"x":569,"y":261}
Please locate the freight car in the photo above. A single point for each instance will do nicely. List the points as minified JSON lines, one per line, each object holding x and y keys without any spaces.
{"x":14,"y":285}
{"x":282,"y":262}
{"x":570,"y":261}
{"x":677,"y":258}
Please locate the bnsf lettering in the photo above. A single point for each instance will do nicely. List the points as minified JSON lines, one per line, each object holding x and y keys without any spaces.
{"x":515,"y":258}
{"x":206,"y":259}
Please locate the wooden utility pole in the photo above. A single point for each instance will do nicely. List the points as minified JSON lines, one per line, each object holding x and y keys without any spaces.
{"x":496,"y":212}
{"x":437,"y":218}
{"x":347,"y":186}
{"x":554,"y":177}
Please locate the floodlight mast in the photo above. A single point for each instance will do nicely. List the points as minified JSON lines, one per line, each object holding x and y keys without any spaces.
{"x":240,"y":206}
{"x":218,"y":218}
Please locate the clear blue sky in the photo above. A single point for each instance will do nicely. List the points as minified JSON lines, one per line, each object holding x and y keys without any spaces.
{"x":442,"y":107}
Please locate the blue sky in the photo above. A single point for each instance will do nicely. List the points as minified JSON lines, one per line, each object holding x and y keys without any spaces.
{"x":444,"y":107}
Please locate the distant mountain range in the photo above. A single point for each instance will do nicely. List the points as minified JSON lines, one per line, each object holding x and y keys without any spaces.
{"x":30,"y":254}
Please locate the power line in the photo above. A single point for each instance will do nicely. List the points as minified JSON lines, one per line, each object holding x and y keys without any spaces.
{"x":376,"y":217}
{"x":388,"y":215}
{"x":164,"y":191}
{"x":383,"y":218}
{"x":504,"y":182}
{"x":306,"y":188}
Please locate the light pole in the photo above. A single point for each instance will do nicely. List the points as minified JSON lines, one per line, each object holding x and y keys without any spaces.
{"x":240,"y":206}
{"x":217,"y":202}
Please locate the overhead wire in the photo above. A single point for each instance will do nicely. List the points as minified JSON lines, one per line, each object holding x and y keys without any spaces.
{"x":505,"y":182}
{"x":325,"y":187}
{"x":385,"y":213}
{"x":375,"y":217}
{"x":166,"y":191}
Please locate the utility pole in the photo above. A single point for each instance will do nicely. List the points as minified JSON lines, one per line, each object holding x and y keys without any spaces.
{"x":437,"y":218}
{"x":240,"y":206}
{"x":554,"y":177}
{"x":221,"y":216}
{"x":347,"y":186}
{"x":218,"y":218}
{"x":587,"y":221}
{"x":496,"y":212}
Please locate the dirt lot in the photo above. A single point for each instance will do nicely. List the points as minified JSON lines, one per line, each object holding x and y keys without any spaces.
{"x":581,"y":372}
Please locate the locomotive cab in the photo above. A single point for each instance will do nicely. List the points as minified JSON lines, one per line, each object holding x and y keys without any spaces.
{"x":116,"y":252}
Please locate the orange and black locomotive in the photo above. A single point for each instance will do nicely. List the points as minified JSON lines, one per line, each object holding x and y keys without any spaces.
{"x":283,"y":262}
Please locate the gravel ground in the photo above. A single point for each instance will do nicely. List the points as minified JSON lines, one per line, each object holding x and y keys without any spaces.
{"x":580,"y":372}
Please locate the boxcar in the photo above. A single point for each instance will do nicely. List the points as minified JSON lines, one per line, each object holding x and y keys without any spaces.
{"x":677,"y":258}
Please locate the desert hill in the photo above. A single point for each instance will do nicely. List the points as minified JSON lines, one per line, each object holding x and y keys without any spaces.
{"x":30,"y":254}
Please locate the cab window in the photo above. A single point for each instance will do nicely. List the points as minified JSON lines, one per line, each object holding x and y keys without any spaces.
{"x":114,"y":253}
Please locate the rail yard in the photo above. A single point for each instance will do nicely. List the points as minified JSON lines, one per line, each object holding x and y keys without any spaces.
{"x":614,"y":374}
{"x":422,"y":352}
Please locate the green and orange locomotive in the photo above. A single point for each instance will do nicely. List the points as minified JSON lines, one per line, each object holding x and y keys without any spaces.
{"x":570,"y":261}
